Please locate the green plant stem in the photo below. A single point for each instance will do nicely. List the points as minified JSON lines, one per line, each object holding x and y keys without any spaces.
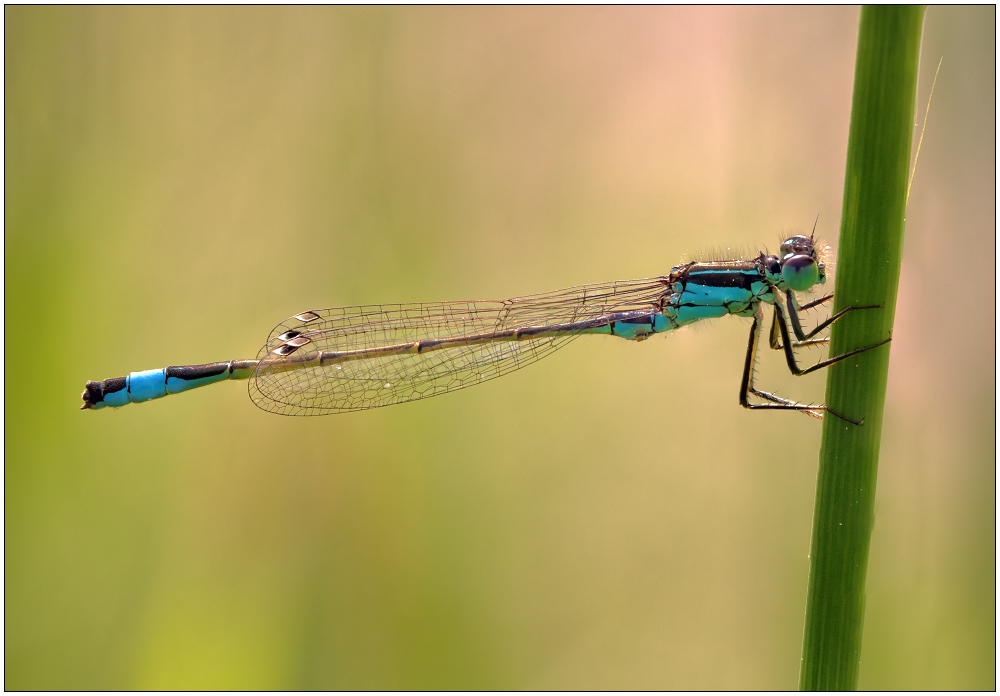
{"x":867,"y":273}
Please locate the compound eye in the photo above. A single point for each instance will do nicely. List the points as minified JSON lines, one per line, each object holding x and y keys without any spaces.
{"x":799,"y":244}
{"x":800,"y":272}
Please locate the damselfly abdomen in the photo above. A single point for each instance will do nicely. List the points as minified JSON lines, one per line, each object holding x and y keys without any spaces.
{"x":354,"y":358}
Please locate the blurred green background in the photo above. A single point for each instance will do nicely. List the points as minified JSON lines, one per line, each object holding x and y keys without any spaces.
{"x":179,"y":180}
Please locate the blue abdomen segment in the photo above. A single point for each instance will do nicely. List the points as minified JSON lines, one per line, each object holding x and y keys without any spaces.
{"x":134,"y":388}
{"x":146,"y":385}
{"x":137,"y":387}
{"x":183,"y":378}
{"x":634,"y":330}
{"x":634,"y":326}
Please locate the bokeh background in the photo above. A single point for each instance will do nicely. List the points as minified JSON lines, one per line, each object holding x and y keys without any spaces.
{"x":179,"y":180}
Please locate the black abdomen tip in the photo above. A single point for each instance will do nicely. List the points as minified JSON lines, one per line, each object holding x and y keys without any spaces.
{"x":92,"y":394}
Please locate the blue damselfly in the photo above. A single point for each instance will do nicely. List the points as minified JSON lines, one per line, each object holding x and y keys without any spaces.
{"x":326,"y":361}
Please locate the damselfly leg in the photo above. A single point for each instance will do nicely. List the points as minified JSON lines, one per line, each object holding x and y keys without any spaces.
{"x":779,"y":322}
{"x":747,"y":387}
{"x":793,"y":315}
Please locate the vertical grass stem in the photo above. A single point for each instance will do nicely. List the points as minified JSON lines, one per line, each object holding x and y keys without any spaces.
{"x":868,"y":262}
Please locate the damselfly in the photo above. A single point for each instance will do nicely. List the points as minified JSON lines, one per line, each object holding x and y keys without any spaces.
{"x":354,"y":358}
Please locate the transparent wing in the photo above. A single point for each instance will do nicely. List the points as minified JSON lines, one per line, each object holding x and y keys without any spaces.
{"x":354,"y":358}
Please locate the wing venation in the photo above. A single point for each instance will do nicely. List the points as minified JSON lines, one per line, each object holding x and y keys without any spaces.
{"x":356,"y":358}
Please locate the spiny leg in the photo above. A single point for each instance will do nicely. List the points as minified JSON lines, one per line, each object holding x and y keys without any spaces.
{"x":776,"y":403}
{"x":793,"y":314}
{"x":814,"y":303}
{"x":805,"y":339}
{"x":774,"y":338}
{"x":790,"y":354}
{"x":817,"y":413}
